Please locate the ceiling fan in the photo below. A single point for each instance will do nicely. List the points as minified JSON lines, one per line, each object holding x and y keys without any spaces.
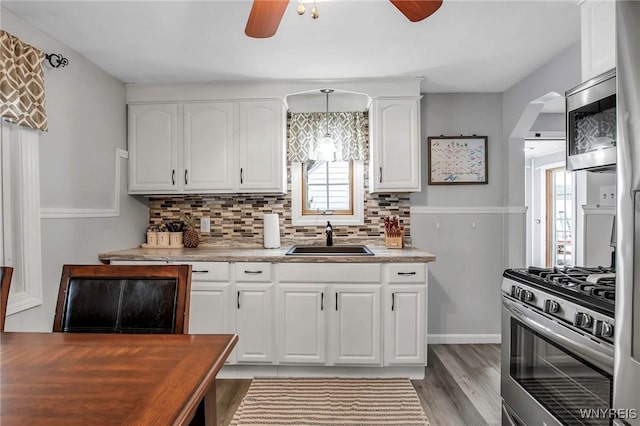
{"x":266,"y":15}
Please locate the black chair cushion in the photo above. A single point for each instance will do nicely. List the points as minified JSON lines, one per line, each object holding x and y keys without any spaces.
{"x":120,"y":305}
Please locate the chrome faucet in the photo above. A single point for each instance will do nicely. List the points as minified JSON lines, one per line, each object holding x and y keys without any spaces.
{"x":329,"y":232}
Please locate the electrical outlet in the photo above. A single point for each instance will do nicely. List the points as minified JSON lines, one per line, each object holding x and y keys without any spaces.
{"x":205,"y":225}
{"x":607,"y":196}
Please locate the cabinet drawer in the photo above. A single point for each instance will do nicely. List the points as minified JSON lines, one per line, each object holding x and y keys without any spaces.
{"x":253,"y":272}
{"x":329,"y":272}
{"x":208,"y":271}
{"x":407,"y":273}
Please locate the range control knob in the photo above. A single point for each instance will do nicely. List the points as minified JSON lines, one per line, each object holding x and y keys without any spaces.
{"x":582,"y":320}
{"x":515,"y":291}
{"x":526,"y":296}
{"x":551,"y":306}
{"x":603,"y":329}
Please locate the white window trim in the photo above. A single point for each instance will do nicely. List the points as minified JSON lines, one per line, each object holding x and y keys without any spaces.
{"x":298,"y":219}
{"x":21,"y":237}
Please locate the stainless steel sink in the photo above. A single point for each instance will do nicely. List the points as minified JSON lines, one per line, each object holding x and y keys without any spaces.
{"x":356,"y":250}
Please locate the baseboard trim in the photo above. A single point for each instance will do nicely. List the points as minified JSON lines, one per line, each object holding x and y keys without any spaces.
{"x":463,"y":338}
{"x":250,"y":371}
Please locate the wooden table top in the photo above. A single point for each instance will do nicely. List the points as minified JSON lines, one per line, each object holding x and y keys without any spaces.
{"x":101,"y":379}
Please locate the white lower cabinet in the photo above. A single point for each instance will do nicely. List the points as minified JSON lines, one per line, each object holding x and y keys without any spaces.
{"x":405,"y":324}
{"x":355,"y":334}
{"x":254,"y":323}
{"x":297,"y":314}
{"x":301,"y":323}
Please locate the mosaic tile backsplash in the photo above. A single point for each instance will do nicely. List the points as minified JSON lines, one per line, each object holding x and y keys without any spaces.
{"x":239,"y":217}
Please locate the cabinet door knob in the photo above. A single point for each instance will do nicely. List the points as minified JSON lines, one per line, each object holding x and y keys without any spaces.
{"x":241,"y":175}
{"x":393,"y":301}
{"x":406,"y":273}
{"x":380,"y":174}
{"x":238,"y":299}
{"x":336,"y":301}
{"x":322,"y":301}
{"x":173,"y":177}
{"x":186,"y":177}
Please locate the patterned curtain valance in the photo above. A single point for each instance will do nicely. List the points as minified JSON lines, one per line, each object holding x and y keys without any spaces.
{"x":21,"y":83}
{"x":348,"y":129}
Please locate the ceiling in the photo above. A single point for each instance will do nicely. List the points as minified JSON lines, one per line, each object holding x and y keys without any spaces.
{"x":466,"y":46}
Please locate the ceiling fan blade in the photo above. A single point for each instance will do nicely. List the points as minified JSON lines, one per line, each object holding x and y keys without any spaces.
{"x":417,"y":10}
{"x":265,"y":18}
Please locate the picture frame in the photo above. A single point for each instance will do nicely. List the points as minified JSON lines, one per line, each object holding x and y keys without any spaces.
{"x":457,"y":160}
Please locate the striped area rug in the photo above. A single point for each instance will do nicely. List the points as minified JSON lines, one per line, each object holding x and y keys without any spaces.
{"x":330,"y":401}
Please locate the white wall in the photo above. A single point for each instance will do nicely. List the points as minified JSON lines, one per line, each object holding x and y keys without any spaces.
{"x":87,"y":123}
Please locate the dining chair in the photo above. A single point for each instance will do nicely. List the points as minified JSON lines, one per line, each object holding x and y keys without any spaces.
{"x":123,"y":299}
{"x":5,"y":283}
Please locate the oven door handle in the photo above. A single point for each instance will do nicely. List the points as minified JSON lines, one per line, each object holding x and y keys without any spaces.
{"x":592,"y":351}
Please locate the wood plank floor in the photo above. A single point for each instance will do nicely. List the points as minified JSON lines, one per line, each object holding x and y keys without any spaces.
{"x":461,"y":387}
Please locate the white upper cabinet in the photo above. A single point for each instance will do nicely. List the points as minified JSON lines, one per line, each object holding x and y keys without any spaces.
{"x":395,"y":145}
{"x":153,"y":148}
{"x":598,"y":37}
{"x":261,"y":148}
{"x":208,"y":146}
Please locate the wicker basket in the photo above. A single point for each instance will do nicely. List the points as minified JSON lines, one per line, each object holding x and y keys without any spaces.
{"x":396,"y":241}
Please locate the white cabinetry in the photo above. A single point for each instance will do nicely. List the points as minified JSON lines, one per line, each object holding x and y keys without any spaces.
{"x":355,"y":331}
{"x":153,"y":148}
{"x":405,"y":313}
{"x":301,"y":323}
{"x":207,"y":147}
{"x":395,"y":145}
{"x":598,"y":34}
{"x":254,"y":313}
{"x":329,"y":314}
{"x":260,"y":146}
{"x":312,"y":314}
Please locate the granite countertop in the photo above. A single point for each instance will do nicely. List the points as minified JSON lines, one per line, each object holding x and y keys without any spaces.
{"x":259,"y":254}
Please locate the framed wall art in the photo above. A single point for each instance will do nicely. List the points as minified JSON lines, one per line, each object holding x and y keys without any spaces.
{"x":458,"y":160}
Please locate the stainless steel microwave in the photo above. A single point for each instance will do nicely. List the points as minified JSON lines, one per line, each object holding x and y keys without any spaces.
{"x":591,"y":124}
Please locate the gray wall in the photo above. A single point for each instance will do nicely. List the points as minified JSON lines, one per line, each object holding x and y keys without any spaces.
{"x":476,"y":231}
{"x":87,"y":122}
{"x":464,"y":282}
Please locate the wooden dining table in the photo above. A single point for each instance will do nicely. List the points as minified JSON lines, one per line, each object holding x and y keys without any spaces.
{"x":109,"y":379}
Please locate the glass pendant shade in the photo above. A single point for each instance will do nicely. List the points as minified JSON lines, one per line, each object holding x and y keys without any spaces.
{"x":326,"y":148}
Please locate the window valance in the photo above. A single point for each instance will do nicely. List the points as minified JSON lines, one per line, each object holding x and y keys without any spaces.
{"x":21,"y":83}
{"x":348,"y":129}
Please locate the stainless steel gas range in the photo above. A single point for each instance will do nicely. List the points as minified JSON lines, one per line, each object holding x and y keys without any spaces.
{"x":557,"y":346}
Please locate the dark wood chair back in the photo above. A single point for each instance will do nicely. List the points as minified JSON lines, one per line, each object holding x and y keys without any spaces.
{"x":124,"y":299}
{"x":5,"y":283}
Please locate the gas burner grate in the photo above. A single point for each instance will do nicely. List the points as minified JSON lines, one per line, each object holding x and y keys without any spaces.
{"x":598,"y":282}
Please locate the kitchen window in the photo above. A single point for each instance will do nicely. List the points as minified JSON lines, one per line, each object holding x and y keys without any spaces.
{"x":324,"y":191}
{"x":327,"y":187}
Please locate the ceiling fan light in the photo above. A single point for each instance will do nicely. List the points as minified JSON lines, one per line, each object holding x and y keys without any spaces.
{"x":301,"y":9}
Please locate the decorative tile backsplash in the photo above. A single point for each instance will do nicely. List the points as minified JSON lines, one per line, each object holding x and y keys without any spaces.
{"x":236,"y":217}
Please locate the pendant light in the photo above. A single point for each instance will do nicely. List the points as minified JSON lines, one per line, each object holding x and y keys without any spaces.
{"x":326,"y":147}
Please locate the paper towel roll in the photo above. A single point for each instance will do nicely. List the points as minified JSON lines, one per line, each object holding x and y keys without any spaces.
{"x":271,"y":230}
